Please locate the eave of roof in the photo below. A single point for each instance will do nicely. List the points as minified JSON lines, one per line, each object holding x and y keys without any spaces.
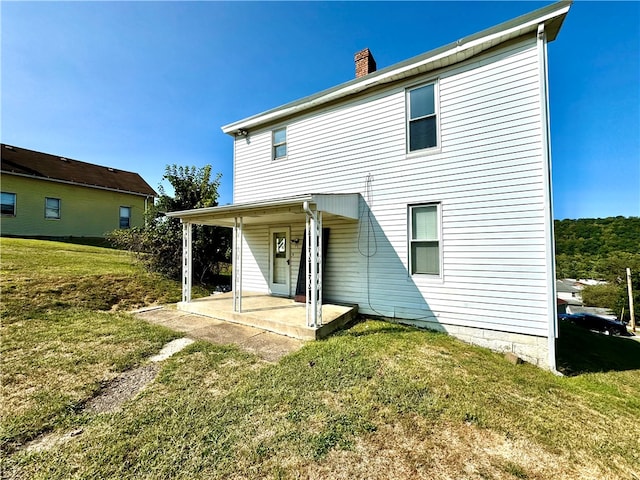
{"x":23,"y":162}
{"x":340,"y":204}
{"x":552,"y":16}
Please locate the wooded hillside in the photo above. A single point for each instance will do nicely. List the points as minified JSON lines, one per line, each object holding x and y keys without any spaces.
{"x":598,"y":236}
{"x":600,"y":248}
{"x":597,"y":247}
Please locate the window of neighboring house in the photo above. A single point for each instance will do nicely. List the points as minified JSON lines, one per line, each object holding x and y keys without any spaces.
{"x":52,"y":208}
{"x":8,"y":204}
{"x":424,"y":239}
{"x":280,"y":143}
{"x":125,"y":217}
{"x":422,"y":128}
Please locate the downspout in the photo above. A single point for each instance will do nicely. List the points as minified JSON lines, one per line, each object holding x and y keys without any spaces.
{"x":548,"y":196}
{"x":146,"y":209}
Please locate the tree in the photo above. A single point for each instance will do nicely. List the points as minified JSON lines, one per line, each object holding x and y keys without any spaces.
{"x":611,"y":296}
{"x":159,"y":242}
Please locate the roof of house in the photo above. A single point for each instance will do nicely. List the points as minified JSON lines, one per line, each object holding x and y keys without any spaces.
{"x":28,"y":163}
{"x":279,"y":209}
{"x":566,"y":286}
{"x":551,"y":16}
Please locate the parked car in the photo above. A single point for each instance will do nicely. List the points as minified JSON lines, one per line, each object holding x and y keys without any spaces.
{"x":596,"y":323}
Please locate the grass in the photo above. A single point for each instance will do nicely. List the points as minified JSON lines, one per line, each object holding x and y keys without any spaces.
{"x":376,"y":401}
{"x":38,"y":276}
{"x":58,"y":342}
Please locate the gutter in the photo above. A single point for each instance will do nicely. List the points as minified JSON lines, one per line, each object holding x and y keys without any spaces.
{"x":198,"y":212}
{"x":407,"y":68}
{"x":552,"y":306}
{"x":67,"y":182}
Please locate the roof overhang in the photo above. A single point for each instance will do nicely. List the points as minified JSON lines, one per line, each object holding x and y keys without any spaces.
{"x":280,"y":210}
{"x":151,"y":194}
{"x":551,"y":17}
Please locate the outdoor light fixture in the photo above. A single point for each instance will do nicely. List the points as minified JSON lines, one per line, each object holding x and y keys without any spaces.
{"x":242,"y":133}
{"x":295,"y":240}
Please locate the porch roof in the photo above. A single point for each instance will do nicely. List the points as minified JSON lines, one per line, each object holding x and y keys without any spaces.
{"x":273,"y":210}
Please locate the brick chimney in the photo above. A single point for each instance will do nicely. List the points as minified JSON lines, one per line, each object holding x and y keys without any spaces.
{"x":365,"y":63}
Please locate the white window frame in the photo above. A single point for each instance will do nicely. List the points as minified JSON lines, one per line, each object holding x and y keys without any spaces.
{"x":15,"y":201}
{"x":436,"y":114}
{"x":120,"y":217}
{"x":57,"y":209}
{"x":437,"y":238}
{"x":279,"y":144}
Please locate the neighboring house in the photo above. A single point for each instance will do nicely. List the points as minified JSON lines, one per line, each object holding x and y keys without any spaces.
{"x":420,"y":192}
{"x":588,"y":282}
{"x":566,"y":290}
{"x":561,"y":306}
{"x":51,"y":196}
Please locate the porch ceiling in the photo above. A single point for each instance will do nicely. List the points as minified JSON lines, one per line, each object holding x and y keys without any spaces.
{"x":281,"y":210}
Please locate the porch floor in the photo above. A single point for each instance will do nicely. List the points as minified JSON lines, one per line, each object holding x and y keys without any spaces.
{"x":275,"y":314}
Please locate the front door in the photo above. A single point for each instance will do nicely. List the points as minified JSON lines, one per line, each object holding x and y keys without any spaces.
{"x":279,"y":261}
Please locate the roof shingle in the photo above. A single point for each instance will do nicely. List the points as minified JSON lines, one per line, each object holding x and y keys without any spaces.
{"x":22,"y":161}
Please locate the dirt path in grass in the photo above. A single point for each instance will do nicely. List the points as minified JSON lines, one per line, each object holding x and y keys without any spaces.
{"x":113,"y":394}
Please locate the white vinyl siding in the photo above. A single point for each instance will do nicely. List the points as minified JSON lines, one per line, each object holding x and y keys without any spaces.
{"x":487,"y":176}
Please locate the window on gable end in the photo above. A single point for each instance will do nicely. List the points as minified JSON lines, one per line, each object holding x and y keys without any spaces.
{"x":8,"y":204}
{"x":424,"y":239}
{"x":422,"y":117}
{"x":279,"y":143}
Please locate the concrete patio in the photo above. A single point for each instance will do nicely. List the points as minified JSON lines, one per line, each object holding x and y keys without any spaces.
{"x":266,"y":345}
{"x":283,"y":316}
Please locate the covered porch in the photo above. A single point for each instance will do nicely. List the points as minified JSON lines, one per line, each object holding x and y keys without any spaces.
{"x":273,"y":309}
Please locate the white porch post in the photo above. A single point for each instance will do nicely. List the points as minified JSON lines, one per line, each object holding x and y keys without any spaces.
{"x":186,"y":261}
{"x":319,"y":272}
{"x":314,"y":267}
{"x":236,"y":282}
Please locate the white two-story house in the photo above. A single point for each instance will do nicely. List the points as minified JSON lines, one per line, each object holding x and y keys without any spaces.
{"x":420,"y":192}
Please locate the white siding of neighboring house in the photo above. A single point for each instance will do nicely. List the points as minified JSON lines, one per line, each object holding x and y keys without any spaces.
{"x":488,"y":176}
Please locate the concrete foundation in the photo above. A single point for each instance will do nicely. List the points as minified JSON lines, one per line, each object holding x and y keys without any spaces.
{"x":530,"y":348}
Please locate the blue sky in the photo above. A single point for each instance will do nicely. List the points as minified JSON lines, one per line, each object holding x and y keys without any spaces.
{"x":140,"y":85}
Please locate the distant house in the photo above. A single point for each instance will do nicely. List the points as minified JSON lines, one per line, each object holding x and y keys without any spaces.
{"x":567,"y":290}
{"x":419,"y":192}
{"x":47,"y":195}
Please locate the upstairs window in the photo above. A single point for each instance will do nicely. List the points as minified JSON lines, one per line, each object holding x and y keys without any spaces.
{"x":125,"y":217}
{"x":8,"y":204}
{"x":52,"y":208}
{"x":422,"y":128}
{"x":424,"y":239}
{"x":279,"y":143}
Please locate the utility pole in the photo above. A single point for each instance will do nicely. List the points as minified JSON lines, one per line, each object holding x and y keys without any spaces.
{"x":631,"y":314}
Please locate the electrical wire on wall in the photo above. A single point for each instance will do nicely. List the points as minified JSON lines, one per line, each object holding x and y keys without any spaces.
{"x":367,"y":242}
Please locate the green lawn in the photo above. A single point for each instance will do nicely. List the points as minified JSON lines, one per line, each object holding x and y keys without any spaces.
{"x":377,"y":401}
